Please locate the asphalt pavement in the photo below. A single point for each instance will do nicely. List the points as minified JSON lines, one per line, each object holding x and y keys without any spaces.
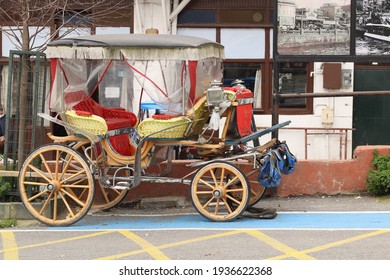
{"x":325,"y":228}
{"x":310,"y":212}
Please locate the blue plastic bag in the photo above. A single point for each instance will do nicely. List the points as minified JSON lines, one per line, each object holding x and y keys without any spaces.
{"x":270,"y":175}
{"x":288,"y":158}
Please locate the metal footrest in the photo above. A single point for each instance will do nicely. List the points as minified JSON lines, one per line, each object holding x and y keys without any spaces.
{"x":122,"y":186}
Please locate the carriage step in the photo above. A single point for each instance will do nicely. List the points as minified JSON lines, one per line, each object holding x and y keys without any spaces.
{"x":121,"y":186}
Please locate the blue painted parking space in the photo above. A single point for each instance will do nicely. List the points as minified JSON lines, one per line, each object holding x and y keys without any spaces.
{"x":293,"y":220}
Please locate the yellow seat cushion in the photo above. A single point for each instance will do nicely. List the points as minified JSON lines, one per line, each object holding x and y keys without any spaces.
{"x":91,"y":123}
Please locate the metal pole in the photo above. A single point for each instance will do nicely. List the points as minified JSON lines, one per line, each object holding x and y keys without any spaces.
{"x":275,"y":100}
{"x":334,"y":94}
{"x":34,"y":116}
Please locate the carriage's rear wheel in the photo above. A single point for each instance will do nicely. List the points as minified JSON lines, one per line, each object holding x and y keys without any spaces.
{"x":220,"y":191}
{"x":105,"y":198}
{"x":257,"y":191}
{"x":56,"y":185}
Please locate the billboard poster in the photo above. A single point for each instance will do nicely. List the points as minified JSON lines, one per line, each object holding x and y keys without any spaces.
{"x":314,"y":27}
{"x":372,"y":27}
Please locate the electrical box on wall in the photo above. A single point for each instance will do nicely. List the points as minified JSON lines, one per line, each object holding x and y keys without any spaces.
{"x":327,"y":116}
{"x":347,"y":78}
{"x":332,"y":75}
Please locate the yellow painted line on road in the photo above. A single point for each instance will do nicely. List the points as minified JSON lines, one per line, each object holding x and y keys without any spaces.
{"x":148,"y":247}
{"x":171,"y":245}
{"x":15,"y":248}
{"x":277,"y":245}
{"x":9,"y":241}
{"x":334,"y":244}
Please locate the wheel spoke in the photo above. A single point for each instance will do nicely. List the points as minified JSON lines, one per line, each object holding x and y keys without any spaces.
{"x":208,"y":202}
{"x":32,"y":183}
{"x":207,"y":184}
{"x":75,"y":186}
{"x":55,"y":206}
{"x":217,"y":207}
{"x":45,"y":204}
{"x":253,"y":192}
{"x":213,"y":176}
{"x":233,"y":199}
{"x":66,"y":204}
{"x":79,"y":202}
{"x":46,"y":165}
{"x":231,"y":181}
{"x":105,"y":196}
{"x":227,"y":205}
{"x":238,"y":189}
{"x":65,"y":169}
{"x":79,"y":181}
{"x":37,"y":195}
{"x":57,"y":163}
{"x":43,"y":175}
{"x":222,"y":176}
{"x":72,"y":176}
{"x":81,"y":194}
{"x":204,"y":192}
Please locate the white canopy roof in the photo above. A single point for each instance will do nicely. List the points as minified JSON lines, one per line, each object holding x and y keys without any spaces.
{"x":135,"y":47}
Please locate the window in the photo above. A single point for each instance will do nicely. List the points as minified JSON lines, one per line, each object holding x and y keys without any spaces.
{"x":249,"y":73}
{"x":245,"y":72}
{"x":69,"y":32}
{"x":112,"y":30}
{"x":197,"y":16}
{"x":293,"y":79}
{"x":11,"y":38}
{"x":205,"y":33}
{"x":242,"y":43}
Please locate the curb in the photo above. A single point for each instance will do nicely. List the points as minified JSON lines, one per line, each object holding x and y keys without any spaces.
{"x":14,"y":210}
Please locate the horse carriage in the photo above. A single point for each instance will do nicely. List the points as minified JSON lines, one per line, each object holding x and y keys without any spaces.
{"x":104,"y":89}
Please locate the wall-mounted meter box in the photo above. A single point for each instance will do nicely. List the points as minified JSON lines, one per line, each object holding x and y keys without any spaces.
{"x":332,"y":75}
{"x":346,"y":78}
{"x":327,"y":116}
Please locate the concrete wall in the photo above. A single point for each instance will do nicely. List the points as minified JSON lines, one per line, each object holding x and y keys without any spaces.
{"x":333,"y":176}
{"x":311,"y":177}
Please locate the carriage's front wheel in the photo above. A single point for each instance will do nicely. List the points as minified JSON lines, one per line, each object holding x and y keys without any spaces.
{"x":56,"y":185}
{"x":220,"y":191}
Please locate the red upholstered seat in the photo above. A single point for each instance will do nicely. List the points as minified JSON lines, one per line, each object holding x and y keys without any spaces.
{"x":116,"y":123}
{"x":114,"y":117}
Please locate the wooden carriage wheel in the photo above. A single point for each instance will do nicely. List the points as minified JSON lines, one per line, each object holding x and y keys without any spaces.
{"x":257,"y":191}
{"x":105,"y":198}
{"x":220,"y":191}
{"x":51,"y":180}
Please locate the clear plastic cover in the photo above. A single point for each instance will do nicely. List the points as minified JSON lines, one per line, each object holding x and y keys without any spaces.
{"x":173,"y":85}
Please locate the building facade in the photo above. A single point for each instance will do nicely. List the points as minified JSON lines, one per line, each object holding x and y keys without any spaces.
{"x":321,"y":128}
